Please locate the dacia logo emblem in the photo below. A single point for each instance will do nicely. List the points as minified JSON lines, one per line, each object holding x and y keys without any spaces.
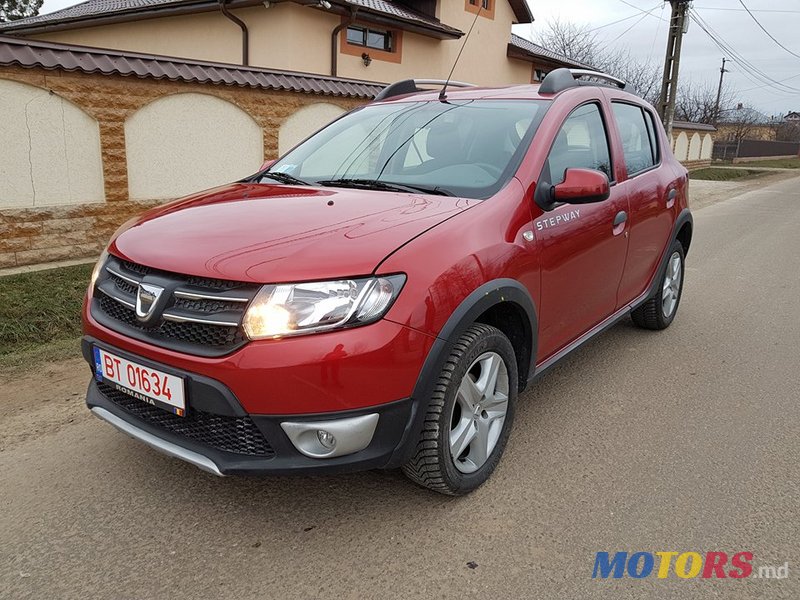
{"x":146,"y":300}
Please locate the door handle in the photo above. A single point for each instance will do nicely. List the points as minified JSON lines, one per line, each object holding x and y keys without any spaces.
{"x":673,"y":193}
{"x":621,"y":217}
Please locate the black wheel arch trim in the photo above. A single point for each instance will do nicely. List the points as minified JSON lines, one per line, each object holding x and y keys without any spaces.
{"x":473,"y":306}
{"x":683,"y":218}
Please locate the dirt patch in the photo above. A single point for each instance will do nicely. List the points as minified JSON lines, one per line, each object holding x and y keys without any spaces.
{"x":705,"y":193}
{"x":41,"y":402}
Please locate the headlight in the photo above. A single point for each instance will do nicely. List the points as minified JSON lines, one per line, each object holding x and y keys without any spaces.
{"x":98,"y":268}
{"x":299,"y":308}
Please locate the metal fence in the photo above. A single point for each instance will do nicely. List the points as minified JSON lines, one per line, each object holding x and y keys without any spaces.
{"x":754,"y":149}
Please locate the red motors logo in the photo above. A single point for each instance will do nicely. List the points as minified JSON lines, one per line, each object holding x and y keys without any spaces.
{"x":686,"y":565}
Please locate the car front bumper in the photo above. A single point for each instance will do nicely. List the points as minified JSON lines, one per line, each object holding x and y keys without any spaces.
{"x":219,"y":436}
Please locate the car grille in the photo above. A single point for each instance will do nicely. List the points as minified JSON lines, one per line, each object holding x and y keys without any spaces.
{"x":238,"y":435}
{"x":201,"y":316}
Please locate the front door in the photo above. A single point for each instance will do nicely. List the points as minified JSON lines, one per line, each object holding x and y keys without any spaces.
{"x":582,"y":251}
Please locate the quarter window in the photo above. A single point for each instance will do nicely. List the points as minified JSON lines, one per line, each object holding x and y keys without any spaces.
{"x":639,"y":142}
{"x":581,"y":143}
{"x":370,"y":38}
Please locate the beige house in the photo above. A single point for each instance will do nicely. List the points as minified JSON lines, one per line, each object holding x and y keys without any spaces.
{"x":112,"y":106}
{"x":375,"y":40}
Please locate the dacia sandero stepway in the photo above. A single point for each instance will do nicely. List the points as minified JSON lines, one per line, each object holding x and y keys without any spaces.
{"x":381,"y":295}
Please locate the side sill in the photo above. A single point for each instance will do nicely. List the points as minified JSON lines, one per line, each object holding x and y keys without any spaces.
{"x":544,"y":367}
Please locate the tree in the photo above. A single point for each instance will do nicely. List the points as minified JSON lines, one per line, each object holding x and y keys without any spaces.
{"x":11,"y":10}
{"x":576,"y":42}
{"x":788,"y":132}
{"x":698,"y":103}
{"x":581,"y":44}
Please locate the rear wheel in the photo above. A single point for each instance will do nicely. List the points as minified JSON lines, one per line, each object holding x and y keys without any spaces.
{"x":469,"y":416}
{"x":659,"y":311}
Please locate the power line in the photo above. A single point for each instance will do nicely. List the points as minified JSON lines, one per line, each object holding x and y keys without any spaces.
{"x":755,"y":10}
{"x":764,"y":29}
{"x":737,"y":58}
{"x":639,"y":8}
{"x":655,"y":37}
{"x":642,"y":18}
{"x":628,"y":18}
{"x":780,"y":81}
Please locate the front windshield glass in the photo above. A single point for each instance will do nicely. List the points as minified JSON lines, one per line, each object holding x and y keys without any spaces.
{"x":463,"y":148}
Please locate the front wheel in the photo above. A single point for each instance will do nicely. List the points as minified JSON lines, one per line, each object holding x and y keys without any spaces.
{"x":469,"y":416}
{"x":659,"y":311}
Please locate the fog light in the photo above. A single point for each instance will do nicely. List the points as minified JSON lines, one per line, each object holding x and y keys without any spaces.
{"x":326,"y":438}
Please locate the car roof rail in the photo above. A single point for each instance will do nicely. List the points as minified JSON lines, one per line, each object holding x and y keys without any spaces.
{"x":563,"y":79}
{"x":412,"y":86}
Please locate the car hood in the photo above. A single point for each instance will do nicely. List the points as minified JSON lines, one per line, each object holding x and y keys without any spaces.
{"x":276,"y":233}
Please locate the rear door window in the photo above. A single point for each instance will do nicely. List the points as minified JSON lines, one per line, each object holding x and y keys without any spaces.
{"x":639,"y":143}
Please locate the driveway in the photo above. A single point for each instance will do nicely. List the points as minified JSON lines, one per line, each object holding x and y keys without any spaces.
{"x":684,"y":440}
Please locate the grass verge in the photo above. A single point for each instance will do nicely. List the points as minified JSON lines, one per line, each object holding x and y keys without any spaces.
{"x":715,"y":174}
{"x":18,"y":363}
{"x":40,"y":312}
{"x":781,"y":163}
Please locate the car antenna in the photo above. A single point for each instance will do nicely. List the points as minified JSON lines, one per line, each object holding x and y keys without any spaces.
{"x":443,"y":93}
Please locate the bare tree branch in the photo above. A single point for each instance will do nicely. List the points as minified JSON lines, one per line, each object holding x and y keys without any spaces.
{"x":11,"y":10}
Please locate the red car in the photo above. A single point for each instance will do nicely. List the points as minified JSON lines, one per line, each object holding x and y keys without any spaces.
{"x":381,"y":295}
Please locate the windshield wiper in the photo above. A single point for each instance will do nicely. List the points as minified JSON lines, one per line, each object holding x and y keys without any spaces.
{"x":285,"y":178}
{"x":387,"y":186}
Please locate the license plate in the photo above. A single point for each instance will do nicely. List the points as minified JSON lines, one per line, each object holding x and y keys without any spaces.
{"x":146,"y":384}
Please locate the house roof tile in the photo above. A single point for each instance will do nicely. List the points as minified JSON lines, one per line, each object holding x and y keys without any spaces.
{"x":536,"y":51}
{"x":33,"y":53}
{"x":97,"y":9}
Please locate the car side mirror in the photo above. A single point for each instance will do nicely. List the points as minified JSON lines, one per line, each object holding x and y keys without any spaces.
{"x":582,"y":186}
{"x":267,"y":164}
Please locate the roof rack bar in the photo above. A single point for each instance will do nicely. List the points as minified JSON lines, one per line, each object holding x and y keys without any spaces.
{"x":411,"y":86}
{"x":563,"y":79}
{"x":598,"y":75}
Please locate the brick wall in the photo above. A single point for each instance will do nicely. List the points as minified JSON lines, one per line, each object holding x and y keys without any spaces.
{"x":35,"y":235}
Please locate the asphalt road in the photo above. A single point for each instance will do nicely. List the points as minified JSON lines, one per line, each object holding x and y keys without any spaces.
{"x":682,"y":440}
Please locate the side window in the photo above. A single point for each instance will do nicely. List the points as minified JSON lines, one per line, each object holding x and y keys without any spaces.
{"x":638,"y":137}
{"x":651,"y":130}
{"x":581,"y":143}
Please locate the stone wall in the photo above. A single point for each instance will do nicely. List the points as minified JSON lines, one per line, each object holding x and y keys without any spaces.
{"x":693,"y":147}
{"x":35,"y":234}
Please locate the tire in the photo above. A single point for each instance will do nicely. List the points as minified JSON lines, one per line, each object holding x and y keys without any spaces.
{"x":659,"y":311}
{"x":447,"y":419}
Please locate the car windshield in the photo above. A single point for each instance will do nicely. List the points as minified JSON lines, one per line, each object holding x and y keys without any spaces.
{"x":461,"y":148}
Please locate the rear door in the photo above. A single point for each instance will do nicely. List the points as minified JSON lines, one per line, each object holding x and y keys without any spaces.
{"x":581,"y":251}
{"x":648,"y":184}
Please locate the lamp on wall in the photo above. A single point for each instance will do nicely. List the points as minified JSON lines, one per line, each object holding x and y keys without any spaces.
{"x":366,"y":59}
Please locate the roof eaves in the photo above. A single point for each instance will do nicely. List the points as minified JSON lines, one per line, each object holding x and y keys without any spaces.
{"x":52,"y":56}
{"x":519,"y":47}
{"x":693,"y":126}
{"x":54,"y":22}
{"x":522,"y":12}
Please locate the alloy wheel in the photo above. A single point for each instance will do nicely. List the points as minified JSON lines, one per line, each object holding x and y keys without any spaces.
{"x":672,"y":285}
{"x":479,"y":412}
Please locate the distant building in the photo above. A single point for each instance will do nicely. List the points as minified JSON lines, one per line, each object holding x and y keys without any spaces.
{"x":743,"y":122}
{"x":374,"y":40}
{"x":792,"y":117}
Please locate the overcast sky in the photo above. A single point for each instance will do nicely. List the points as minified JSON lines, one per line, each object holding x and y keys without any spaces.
{"x":646,"y":36}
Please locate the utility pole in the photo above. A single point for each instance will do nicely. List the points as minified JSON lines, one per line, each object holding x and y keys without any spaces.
{"x":669,"y":85}
{"x":722,"y":72}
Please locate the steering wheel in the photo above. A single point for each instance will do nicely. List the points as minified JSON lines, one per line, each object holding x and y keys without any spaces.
{"x":490,"y":169}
